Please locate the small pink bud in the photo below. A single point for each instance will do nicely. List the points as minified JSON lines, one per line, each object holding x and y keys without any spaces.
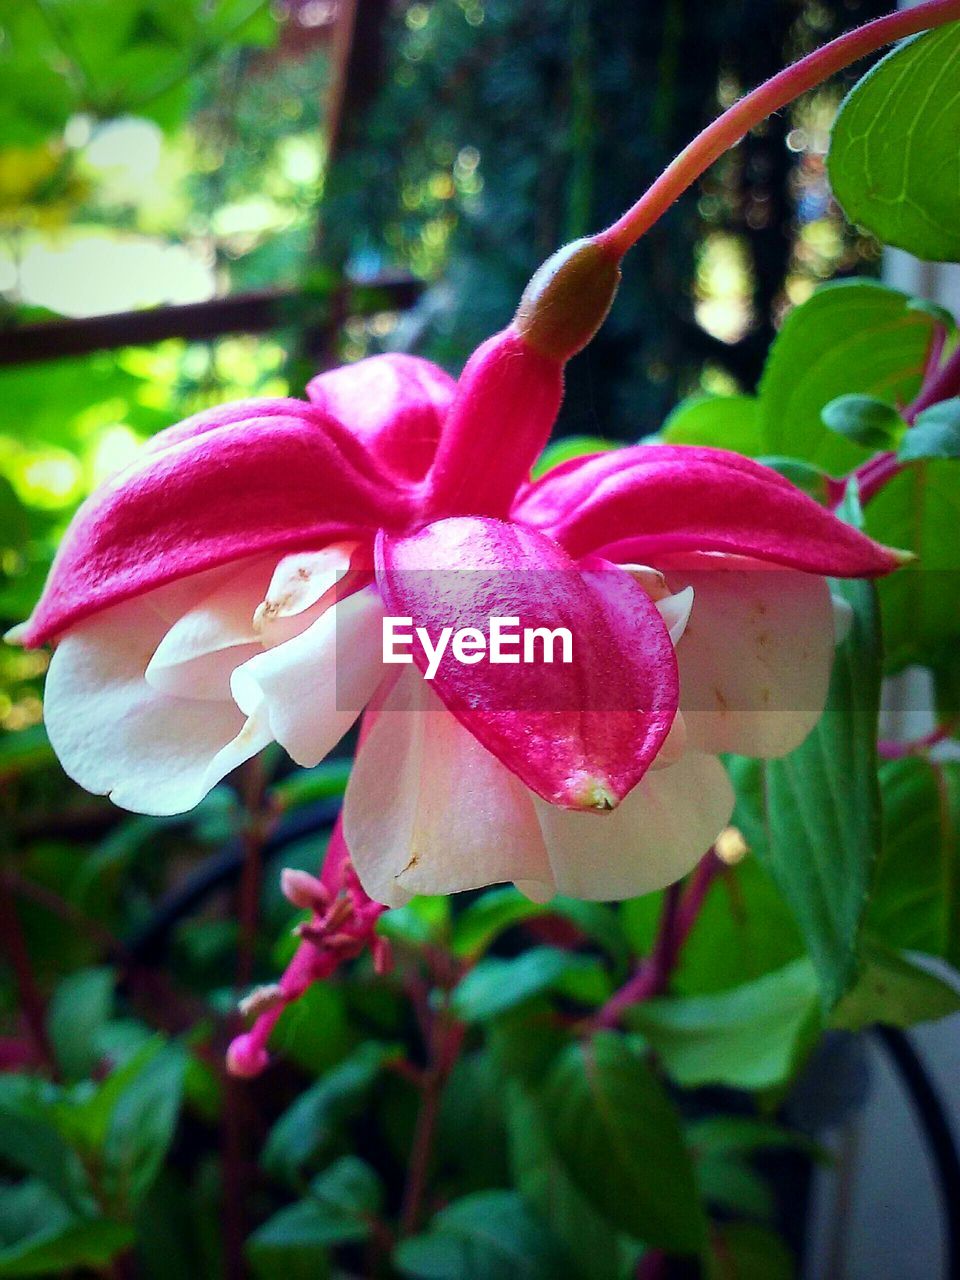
{"x":246,"y":1058}
{"x":303,"y":890}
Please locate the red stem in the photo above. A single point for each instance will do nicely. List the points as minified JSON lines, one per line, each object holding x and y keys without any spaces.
{"x":448,"y":1036}
{"x":681,"y":909}
{"x":31,"y":1001}
{"x":773,"y":95}
{"x":943,"y":385}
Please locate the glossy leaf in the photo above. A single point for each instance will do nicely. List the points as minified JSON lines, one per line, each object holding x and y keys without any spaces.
{"x":725,"y":422}
{"x":849,"y":337}
{"x":893,"y":160}
{"x":612,"y":1125}
{"x":896,"y":992}
{"x":489,"y":1235}
{"x":750,"y":1037}
{"x":935,"y":434}
{"x":864,"y":420}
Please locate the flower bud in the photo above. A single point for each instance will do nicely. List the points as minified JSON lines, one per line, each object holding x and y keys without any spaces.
{"x":246,"y":1058}
{"x":303,"y":890}
{"x":568,"y":298}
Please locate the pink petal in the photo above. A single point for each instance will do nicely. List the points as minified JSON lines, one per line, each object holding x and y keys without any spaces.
{"x":642,"y":502}
{"x":507,"y":401}
{"x":658,"y":833}
{"x":756,"y":656}
{"x":254,"y":485}
{"x":394,"y":403}
{"x":580,"y":734}
{"x":428,"y":810}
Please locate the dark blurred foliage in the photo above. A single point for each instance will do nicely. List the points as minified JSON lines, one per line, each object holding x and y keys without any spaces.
{"x":550,"y":119}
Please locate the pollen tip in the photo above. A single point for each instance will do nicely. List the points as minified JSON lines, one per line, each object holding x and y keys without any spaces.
{"x":902,"y":557}
{"x":593,"y":793}
{"x":16,"y":634}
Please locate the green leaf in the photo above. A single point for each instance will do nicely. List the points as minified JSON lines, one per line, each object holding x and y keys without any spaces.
{"x":81,"y":1005}
{"x":935,"y":434}
{"x":864,"y":420}
{"x":730,"y":1184}
{"x":594,"y":1251}
{"x":292,"y":1243}
{"x":850,"y":336}
{"x":893,"y":161}
{"x":804,"y":475}
{"x":142,"y":1126}
{"x":337,"y":1211}
{"x":919,"y":510}
{"x":487,"y":917}
{"x":305,"y":1128}
{"x":620,"y":1142}
{"x":743,"y":1251}
{"x":750,"y":1037}
{"x":894,"y":991}
{"x":490,"y":1235}
{"x":726,"y":422}
{"x":39,"y":1237}
{"x":915,"y":901}
{"x":495,"y":986}
{"x":723,"y":1134}
{"x":570,"y":447}
{"x":423,"y":920}
{"x":822,"y":805}
{"x":30,"y":1139}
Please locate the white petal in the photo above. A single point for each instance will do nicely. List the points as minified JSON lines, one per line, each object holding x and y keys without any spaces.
{"x":315,"y":685}
{"x":117,"y":736}
{"x":653,"y":837}
{"x":675,"y":612}
{"x":197,"y":656}
{"x":756,"y":657}
{"x":299,"y":583}
{"x":429,"y":810}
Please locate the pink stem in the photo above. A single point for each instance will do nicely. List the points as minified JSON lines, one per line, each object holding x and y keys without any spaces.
{"x":773,"y":95}
{"x":943,"y":385}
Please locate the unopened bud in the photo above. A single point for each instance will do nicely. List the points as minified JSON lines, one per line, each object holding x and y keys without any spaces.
{"x":303,"y":890}
{"x":246,"y":1058}
{"x":568,"y":298}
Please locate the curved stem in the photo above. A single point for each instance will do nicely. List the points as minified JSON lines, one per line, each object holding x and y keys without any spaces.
{"x":774,"y":94}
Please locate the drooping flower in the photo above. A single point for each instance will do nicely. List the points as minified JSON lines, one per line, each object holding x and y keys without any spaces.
{"x":228,"y":590}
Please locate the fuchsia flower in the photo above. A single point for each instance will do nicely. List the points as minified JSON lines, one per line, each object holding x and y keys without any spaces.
{"x":228,"y":590}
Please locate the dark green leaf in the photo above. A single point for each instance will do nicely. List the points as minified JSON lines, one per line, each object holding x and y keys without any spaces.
{"x":742,"y":1251}
{"x":852,"y":336}
{"x":30,"y":1139}
{"x":595,"y":1252}
{"x":864,"y":420}
{"x":935,"y":434}
{"x":823,"y":805}
{"x":305,"y":1128}
{"x":487,"y":917}
{"x":893,"y":154}
{"x":80,"y":1007}
{"x":142,"y":1126}
{"x":490,"y":1235}
{"x":619,"y":1139}
{"x":750,"y":1037}
{"x":38,"y":1237}
{"x":495,"y":986}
